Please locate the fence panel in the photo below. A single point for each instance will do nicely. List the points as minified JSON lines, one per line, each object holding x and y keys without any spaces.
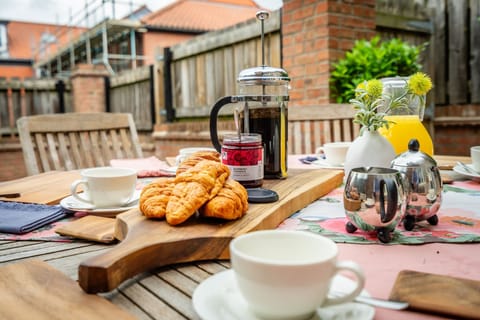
{"x":28,"y":97}
{"x":206,"y":67}
{"x":452,"y":30}
{"x":475,"y":50}
{"x":130,"y":92}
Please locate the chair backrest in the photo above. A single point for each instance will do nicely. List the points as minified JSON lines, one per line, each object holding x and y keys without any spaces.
{"x":309,"y":127}
{"x":76,"y":140}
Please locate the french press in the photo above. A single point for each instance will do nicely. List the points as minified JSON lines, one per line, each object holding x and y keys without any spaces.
{"x":261,"y":107}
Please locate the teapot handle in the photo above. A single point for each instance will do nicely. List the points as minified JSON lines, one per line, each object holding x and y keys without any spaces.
{"x":213,"y":119}
{"x":392,"y":200}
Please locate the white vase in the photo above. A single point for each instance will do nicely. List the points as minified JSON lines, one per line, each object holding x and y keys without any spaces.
{"x":370,"y":149}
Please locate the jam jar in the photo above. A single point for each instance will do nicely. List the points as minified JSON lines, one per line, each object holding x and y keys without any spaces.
{"x":243,"y":154}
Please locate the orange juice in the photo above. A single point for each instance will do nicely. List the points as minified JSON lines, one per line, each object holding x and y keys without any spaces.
{"x":407,"y":127}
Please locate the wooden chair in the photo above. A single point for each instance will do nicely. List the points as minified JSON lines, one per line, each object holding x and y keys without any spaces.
{"x":309,"y":127}
{"x":76,"y":140}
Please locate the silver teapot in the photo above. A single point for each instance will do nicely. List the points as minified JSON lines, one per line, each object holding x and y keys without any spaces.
{"x":423,"y":184}
{"x":374,"y":200}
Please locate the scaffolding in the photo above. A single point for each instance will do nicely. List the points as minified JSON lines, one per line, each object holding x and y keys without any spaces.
{"x":115,"y":43}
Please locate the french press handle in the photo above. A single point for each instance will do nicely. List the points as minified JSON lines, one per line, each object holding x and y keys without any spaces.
{"x":213,"y":119}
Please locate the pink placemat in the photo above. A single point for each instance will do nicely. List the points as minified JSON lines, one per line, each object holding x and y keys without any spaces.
{"x":145,"y":167}
{"x":459,"y":219}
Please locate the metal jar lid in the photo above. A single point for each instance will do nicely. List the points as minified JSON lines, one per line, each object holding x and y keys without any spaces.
{"x":263,"y":75}
{"x":414,"y":157}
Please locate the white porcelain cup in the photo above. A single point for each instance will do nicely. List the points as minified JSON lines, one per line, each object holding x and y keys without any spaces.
{"x":335,"y":152}
{"x":286,"y":274}
{"x":105,"y":187}
{"x":475,"y":155}
{"x":186,"y":152}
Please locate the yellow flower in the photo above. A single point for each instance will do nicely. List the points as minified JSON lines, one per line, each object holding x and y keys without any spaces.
{"x":419,"y":83}
{"x":362,"y":87}
{"x":374,"y":88}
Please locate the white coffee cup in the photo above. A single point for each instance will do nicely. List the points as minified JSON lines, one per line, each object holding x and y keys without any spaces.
{"x":286,"y":274}
{"x":186,"y":152}
{"x":335,"y":152}
{"x":105,"y":187}
{"x":475,"y":155}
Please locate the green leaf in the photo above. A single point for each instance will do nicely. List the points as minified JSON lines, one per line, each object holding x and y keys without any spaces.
{"x":373,"y":59}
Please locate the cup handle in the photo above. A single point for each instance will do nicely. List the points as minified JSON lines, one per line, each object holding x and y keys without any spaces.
{"x":392,"y":200}
{"x":75,"y":194}
{"x":360,"y":283}
{"x":319,"y":150}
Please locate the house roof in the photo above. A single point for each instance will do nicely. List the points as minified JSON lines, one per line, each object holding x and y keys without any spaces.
{"x":201,"y":15}
{"x":25,"y":38}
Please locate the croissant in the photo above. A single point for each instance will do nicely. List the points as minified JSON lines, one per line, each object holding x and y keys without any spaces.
{"x":230,"y":203}
{"x":193,"y":188}
{"x":154,"y":197}
{"x":196,"y":157}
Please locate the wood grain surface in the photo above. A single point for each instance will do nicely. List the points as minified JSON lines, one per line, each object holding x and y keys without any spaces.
{"x":147,"y":243}
{"x":33,"y":289}
{"x":93,"y":228}
{"x":440,"y":294}
{"x":47,"y":188}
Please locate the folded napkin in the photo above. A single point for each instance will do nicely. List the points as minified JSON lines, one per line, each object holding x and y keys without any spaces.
{"x":146,"y":167}
{"x":18,"y":218}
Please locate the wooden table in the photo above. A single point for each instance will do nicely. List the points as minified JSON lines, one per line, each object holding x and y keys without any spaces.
{"x":166,"y":293}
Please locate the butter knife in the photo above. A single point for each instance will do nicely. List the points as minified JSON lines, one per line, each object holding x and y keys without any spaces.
{"x":467,"y":168}
{"x":382,"y":303}
{"x":10,"y":195}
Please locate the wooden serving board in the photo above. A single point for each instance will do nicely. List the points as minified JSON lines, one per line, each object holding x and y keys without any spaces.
{"x":440,"y":294}
{"x":147,"y":244}
{"x":32,"y":289}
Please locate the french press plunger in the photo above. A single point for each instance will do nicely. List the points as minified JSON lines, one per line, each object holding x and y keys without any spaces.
{"x":262,"y":108}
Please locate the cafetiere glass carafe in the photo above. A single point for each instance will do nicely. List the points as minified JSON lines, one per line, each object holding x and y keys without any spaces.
{"x":261,"y":106}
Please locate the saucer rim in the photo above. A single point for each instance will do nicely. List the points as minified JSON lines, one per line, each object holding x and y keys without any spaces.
{"x":324,"y":164}
{"x":64,"y":205}
{"x":201,"y":294}
{"x":458,"y":169}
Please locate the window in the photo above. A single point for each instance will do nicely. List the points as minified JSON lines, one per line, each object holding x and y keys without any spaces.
{"x":3,"y":40}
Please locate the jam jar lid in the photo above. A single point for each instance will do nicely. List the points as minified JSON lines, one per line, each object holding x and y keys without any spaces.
{"x":414,"y":157}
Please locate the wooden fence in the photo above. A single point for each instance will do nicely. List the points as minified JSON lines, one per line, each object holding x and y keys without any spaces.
{"x":196,"y":73}
{"x":128,"y":92}
{"x":133,"y":92}
{"x":452,"y":30}
{"x":31,"y":96}
{"x":205,"y":68}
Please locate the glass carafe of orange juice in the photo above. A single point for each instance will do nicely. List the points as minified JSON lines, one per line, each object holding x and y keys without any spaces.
{"x":406,"y":121}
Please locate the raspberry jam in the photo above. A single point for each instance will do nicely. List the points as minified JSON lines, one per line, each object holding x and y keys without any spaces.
{"x":244,"y":156}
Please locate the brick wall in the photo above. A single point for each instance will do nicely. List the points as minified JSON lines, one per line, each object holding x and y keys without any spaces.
{"x":88,"y":88}
{"x":315,"y":33}
{"x":457,"y":128}
{"x":11,"y":160}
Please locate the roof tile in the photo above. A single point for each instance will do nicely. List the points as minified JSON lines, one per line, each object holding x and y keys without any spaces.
{"x":202,"y":15}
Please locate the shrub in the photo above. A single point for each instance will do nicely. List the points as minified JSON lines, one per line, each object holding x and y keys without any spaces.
{"x":373,"y":60}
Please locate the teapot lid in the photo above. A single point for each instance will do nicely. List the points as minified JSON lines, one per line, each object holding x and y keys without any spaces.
{"x":414,"y":157}
{"x":263,"y":75}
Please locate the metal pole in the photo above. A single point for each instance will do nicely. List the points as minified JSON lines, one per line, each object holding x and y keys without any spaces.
{"x":262,"y":16}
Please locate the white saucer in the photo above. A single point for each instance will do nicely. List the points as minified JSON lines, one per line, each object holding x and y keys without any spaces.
{"x":72,"y":204}
{"x":218,"y":298}
{"x":324,"y":164}
{"x":460,"y":170}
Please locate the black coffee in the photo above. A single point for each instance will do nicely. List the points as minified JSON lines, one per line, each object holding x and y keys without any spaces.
{"x":272,"y":125}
